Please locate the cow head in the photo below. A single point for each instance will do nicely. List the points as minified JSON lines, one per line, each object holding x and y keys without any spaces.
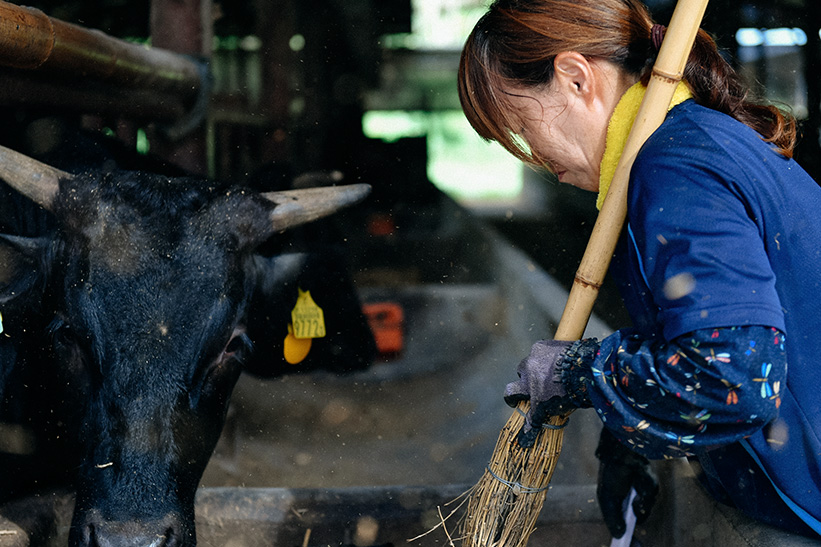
{"x":149,"y":279}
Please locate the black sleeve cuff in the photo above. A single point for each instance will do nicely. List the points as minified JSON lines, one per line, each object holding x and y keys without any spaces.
{"x":576,"y":366}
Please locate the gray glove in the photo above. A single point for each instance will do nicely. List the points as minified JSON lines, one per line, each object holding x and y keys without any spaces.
{"x":540,"y":382}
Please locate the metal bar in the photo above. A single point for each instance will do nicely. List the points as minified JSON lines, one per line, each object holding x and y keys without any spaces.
{"x":31,"y":40}
{"x":19,"y":88}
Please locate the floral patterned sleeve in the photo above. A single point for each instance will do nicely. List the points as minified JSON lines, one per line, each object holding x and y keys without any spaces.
{"x":708,"y":388}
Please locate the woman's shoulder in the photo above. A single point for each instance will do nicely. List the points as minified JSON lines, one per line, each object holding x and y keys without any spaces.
{"x":699,"y":141}
{"x":691,"y":125}
{"x":701,"y":155}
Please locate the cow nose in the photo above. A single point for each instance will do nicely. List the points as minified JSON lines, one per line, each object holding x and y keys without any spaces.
{"x":164,"y":532}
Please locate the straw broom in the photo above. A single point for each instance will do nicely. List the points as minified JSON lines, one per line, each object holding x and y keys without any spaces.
{"x":503,"y":506}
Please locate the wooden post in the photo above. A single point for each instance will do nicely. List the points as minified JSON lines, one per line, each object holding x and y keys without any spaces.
{"x":32,"y":41}
{"x":49,"y":62}
{"x":183,"y":26}
{"x":276,"y":25}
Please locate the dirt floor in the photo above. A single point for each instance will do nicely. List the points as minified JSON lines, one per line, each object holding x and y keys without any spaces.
{"x":430,"y":417}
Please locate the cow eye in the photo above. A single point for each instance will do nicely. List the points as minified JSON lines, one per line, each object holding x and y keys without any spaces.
{"x":62,"y":335}
{"x":234,"y":345}
{"x":238,"y":344}
{"x":71,"y":350}
{"x":223,"y":372}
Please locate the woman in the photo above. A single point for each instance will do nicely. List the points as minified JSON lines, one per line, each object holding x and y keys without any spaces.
{"x":718,"y":264}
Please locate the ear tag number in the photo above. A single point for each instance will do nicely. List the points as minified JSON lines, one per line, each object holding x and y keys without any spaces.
{"x":307,"y":318}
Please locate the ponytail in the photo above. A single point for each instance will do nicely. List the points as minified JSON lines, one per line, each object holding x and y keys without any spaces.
{"x":716,"y":85}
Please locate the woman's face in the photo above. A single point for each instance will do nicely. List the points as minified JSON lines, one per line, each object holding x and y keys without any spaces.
{"x":565,"y":123}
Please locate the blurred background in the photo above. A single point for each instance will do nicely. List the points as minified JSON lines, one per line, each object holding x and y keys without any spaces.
{"x":310,"y":81}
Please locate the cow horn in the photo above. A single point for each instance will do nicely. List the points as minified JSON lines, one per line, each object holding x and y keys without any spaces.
{"x":295,"y":207}
{"x":35,"y":180}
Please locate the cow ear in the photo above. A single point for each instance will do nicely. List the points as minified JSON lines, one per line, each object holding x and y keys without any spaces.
{"x":348,"y":343}
{"x":22,"y":265}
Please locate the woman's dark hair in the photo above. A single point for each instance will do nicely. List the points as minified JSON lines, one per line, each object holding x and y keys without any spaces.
{"x":515,"y":43}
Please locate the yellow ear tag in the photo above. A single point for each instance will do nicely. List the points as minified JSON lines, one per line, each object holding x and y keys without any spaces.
{"x":295,"y":349}
{"x":307,"y":317}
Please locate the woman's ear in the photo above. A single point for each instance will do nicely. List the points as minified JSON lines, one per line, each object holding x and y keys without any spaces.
{"x":575,"y":74}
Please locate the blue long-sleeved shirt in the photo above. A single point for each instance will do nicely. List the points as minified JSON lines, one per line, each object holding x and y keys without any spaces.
{"x":708,"y":388}
{"x":722,"y":233}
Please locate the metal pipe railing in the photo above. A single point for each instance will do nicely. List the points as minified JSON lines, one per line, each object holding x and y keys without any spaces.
{"x":32,"y":41}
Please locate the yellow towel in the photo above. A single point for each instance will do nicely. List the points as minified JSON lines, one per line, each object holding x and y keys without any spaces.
{"x":619,"y":128}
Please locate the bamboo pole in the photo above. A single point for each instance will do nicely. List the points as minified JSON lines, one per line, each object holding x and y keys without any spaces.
{"x":503,"y":506}
{"x":667,"y":73}
{"x":32,"y":41}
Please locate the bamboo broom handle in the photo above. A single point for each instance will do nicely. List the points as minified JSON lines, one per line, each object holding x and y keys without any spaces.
{"x":667,"y":73}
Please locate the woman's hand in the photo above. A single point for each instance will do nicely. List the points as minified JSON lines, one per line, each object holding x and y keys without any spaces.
{"x":540,"y":382}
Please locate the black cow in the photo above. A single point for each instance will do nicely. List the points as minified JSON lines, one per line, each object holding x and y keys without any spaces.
{"x":143,"y":289}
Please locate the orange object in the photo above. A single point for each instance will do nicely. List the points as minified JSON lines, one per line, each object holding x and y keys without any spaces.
{"x":294,"y":349}
{"x":386,"y":320}
{"x":381,"y":224}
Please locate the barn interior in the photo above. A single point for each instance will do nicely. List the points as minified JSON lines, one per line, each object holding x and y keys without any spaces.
{"x":474,"y":252}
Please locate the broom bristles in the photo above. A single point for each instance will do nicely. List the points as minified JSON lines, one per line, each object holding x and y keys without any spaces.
{"x":504,"y":505}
